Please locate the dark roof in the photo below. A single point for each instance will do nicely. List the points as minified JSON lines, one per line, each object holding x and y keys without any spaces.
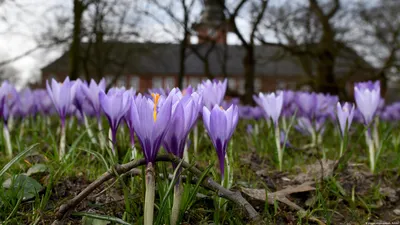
{"x":156,"y":58}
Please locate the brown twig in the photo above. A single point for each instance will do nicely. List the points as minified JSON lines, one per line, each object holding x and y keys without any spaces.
{"x":209,"y":183}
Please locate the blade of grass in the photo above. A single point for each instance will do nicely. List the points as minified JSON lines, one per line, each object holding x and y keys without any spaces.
{"x":17,"y":158}
{"x":168,"y":193}
{"x":187,"y":203}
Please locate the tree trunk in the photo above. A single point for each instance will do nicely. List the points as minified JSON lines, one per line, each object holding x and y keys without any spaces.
{"x":207,"y":71}
{"x":74,"y":52}
{"x":383,"y":79}
{"x":326,"y":82}
{"x":249,"y":72}
{"x":182,"y":57}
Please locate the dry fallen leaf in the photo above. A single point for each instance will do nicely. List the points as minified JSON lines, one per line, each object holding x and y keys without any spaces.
{"x":281,"y":195}
{"x":315,"y":171}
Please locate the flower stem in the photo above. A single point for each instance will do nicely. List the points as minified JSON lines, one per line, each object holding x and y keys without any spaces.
{"x":134,"y":153}
{"x":22,"y":129}
{"x":371,"y":150}
{"x":62,"y":141}
{"x":278,"y":146}
{"x":341,"y":148}
{"x":11,"y":122}
{"x":7,"y":140}
{"x":195,"y":137}
{"x":178,"y":192}
{"x":375,"y":134}
{"x":101,"y":136}
{"x":186,"y":154}
{"x":111,"y":139}
{"x":150,"y":194}
{"x":89,"y":130}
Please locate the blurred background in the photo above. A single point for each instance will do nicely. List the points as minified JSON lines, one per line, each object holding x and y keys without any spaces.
{"x":259,"y":45}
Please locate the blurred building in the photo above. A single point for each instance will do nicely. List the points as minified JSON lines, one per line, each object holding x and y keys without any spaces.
{"x":156,"y":65}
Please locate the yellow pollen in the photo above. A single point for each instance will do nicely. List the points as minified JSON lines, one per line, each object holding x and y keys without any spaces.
{"x":156,"y":97}
{"x":221,"y":107}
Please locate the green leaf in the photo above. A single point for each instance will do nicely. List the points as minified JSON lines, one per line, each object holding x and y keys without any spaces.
{"x":96,"y":219}
{"x":37,"y":168}
{"x":27,"y":187}
{"x":92,"y":221}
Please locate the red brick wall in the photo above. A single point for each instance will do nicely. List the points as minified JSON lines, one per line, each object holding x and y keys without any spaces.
{"x":268,"y":84}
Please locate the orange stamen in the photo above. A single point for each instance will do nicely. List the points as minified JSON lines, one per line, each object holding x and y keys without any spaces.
{"x":156,"y":97}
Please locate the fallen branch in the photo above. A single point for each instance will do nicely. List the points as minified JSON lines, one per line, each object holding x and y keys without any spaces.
{"x":209,"y":183}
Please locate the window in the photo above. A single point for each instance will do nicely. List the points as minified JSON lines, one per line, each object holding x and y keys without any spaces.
{"x":232,"y":83}
{"x":169,"y":82}
{"x":156,"y":82}
{"x":109,"y":79}
{"x":52,"y":76}
{"x":291,"y":85}
{"x":258,"y":85}
{"x":185,"y":82}
{"x":194,"y":81}
{"x":305,"y":87}
{"x":121,"y":81}
{"x":135,"y":82}
{"x":241,"y":86}
{"x":280,"y":85}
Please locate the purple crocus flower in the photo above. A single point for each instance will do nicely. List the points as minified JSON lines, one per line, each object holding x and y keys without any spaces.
{"x":345,"y":115}
{"x":27,"y":104}
{"x":306,"y":127}
{"x":213,"y":92}
{"x":4,"y":110}
{"x":249,"y":129}
{"x":272,"y":105}
{"x":151,"y":119}
{"x":62,"y":95}
{"x":306,"y":103}
{"x":115,"y":104}
{"x":367,"y":96}
{"x":288,"y":99}
{"x":160,"y":91}
{"x":282,"y":140}
{"x":91,"y":92}
{"x":185,"y":114}
{"x":129,"y":119}
{"x":43,"y":101}
{"x":188,"y":91}
{"x":220,"y":125}
{"x":80,"y":99}
{"x":8,"y":100}
{"x":391,"y":112}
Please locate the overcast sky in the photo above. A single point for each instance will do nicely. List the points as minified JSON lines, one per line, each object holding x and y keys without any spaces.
{"x":22,"y":22}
